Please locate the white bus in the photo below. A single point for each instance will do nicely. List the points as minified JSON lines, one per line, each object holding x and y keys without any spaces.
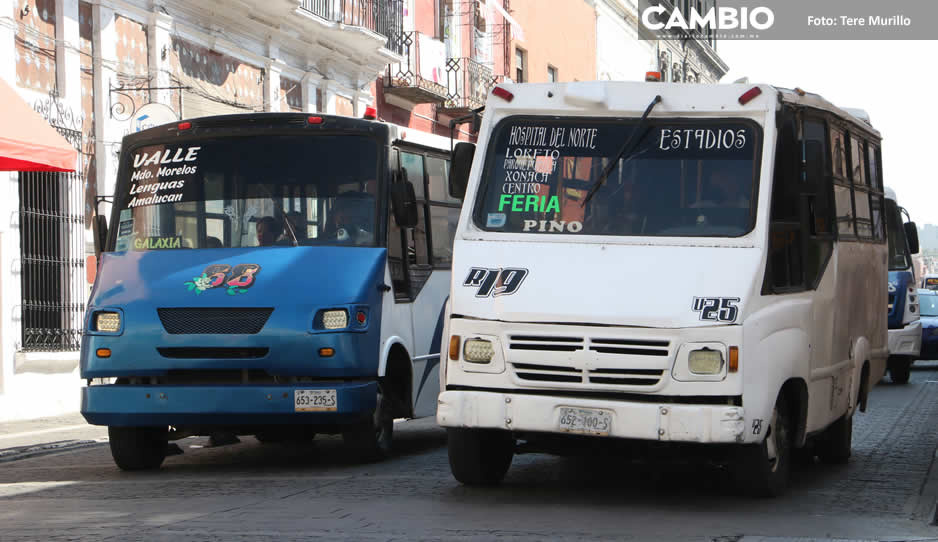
{"x":664,"y":262}
{"x":905,"y":326}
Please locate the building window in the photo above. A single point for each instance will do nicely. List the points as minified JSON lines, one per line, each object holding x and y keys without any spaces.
{"x":551,"y":74}
{"x":521,"y":65}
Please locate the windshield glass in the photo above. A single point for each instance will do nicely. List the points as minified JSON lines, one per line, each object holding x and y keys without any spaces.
{"x":928,"y":305}
{"x":899,"y":258}
{"x":251,"y":191}
{"x":684,"y":178}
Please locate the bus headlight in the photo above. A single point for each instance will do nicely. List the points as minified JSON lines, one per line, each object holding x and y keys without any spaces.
{"x":107,"y":321}
{"x":478,"y":351}
{"x":335,"y":319}
{"x":705,"y":361}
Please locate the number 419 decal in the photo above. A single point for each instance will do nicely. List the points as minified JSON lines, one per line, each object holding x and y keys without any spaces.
{"x":717,"y":309}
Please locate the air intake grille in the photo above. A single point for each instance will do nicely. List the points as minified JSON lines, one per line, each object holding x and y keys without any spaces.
{"x":220,"y":321}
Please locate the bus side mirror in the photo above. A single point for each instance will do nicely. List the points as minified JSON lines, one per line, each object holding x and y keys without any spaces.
{"x":911,"y":234}
{"x":99,"y":230}
{"x":461,"y":163}
{"x":404,"y":202}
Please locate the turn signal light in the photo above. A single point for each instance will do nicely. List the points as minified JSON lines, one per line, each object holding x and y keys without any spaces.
{"x":103,"y":352}
{"x":503,"y":94}
{"x":454,"y":347}
{"x":734,"y":359}
{"x":327,"y":352}
{"x":749,"y":95}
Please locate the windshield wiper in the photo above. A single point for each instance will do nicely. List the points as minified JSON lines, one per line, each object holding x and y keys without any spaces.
{"x":626,"y":149}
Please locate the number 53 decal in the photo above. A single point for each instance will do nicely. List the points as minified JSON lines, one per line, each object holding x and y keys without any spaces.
{"x":717,"y":309}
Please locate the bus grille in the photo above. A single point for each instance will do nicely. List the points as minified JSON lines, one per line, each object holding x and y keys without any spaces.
{"x":212,"y":321}
{"x":588,"y":362}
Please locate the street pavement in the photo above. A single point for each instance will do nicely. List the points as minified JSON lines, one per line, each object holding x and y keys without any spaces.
{"x":251,"y":491}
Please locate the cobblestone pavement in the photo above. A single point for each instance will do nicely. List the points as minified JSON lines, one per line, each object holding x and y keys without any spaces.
{"x":251,"y":491}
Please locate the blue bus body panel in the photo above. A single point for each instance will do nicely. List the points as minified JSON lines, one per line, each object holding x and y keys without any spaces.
{"x":297,"y":283}
{"x":899,"y":282}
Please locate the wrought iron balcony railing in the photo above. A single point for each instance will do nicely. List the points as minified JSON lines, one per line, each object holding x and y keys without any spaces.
{"x":468,"y":82}
{"x":385,"y":17}
{"x":421,"y":76}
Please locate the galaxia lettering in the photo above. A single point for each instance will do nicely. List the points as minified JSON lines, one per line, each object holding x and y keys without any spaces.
{"x":701,"y":139}
{"x":156,"y":243}
{"x":235,"y":280}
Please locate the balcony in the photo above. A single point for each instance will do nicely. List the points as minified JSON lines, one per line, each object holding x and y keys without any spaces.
{"x":421,"y":76}
{"x":381,"y":19}
{"x":467,"y":85}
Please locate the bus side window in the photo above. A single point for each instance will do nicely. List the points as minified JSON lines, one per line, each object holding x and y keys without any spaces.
{"x":785,"y":271}
{"x":876,"y":199}
{"x":815,"y":158}
{"x":417,"y":242}
{"x":444,"y":212}
{"x":396,"y":243}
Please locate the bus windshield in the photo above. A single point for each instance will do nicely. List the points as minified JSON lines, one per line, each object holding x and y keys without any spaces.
{"x":928,"y":305}
{"x":899,"y":258}
{"x":684,"y":178}
{"x":249,"y":191}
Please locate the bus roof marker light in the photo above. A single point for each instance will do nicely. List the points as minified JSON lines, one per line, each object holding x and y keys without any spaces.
{"x":184,"y":125}
{"x":749,"y":95}
{"x":314,"y":120}
{"x":503,"y":94}
{"x":653,"y":77}
{"x":370,"y":113}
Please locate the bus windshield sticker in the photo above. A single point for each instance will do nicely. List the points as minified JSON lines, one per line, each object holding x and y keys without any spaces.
{"x":235,"y":281}
{"x":163,"y":175}
{"x":717,"y":309}
{"x":157,"y":243}
{"x":495,"y":282}
{"x":495,"y":220}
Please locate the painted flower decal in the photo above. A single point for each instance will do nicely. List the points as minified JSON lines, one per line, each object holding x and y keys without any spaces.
{"x":199,"y":284}
{"x":232,"y":290}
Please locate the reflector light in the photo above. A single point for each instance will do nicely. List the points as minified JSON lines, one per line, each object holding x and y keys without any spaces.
{"x":184,"y":125}
{"x":326,"y":352}
{"x":734,"y":359}
{"x":454,"y":347}
{"x":360,"y":317}
{"x":314,"y":120}
{"x":749,"y":95}
{"x":654,"y":77}
{"x":103,"y":352}
{"x":370,"y":113}
{"x":503,"y":94}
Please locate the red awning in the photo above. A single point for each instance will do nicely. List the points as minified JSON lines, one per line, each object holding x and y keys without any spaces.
{"x":27,"y":142}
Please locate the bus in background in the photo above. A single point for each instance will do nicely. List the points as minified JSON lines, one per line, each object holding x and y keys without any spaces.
{"x":275,"y":275}
{"x":930,"y":281}
{"x":905,"y":327}
{"x":573,"y":316}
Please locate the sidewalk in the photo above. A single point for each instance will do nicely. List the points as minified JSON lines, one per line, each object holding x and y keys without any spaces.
{"x":29,"y":438}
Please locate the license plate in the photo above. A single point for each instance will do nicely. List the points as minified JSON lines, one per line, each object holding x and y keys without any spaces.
{"x":587,"y":421}
{"x":315,"y":401}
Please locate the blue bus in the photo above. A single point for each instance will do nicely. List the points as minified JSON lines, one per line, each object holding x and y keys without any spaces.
{"x":276,"y":275}
{"x":905,"y":327}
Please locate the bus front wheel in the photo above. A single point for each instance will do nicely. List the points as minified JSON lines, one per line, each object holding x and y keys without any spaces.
{"x":763,"y":469}
{"x":480,"y":457}
{"x":371,"y":440}
{"x":138,"y":448}
{"x":900,"y":369}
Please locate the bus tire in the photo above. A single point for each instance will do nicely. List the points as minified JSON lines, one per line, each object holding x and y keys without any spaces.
{"x":138,"y":448}
{"x":763,"y":469}
{"x":836,"y":443}
{"x":479,"y":457}
{"x":900,"y":369}
{"x":371,"y":440}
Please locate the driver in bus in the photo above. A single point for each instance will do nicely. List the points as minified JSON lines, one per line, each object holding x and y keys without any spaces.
{"x":267,"y":230}
{"x":723,"y":190}
{"x":352,"y":218}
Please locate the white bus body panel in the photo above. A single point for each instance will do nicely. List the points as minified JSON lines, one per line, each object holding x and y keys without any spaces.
{"x":642,"y":289}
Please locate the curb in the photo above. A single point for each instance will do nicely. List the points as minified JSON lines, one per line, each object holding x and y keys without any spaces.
{"x":926,"y":506}
{"x":26,"y":452}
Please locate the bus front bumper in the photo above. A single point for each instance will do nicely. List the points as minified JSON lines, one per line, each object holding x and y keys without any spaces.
{"x":631,"y":420}
{"x":906,"y":341}
{"x":142,"y":405}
